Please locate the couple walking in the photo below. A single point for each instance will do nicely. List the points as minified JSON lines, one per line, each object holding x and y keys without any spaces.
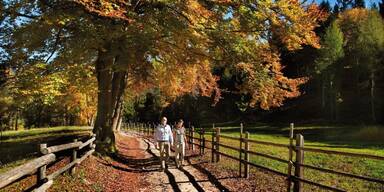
{"x":164,"y":139}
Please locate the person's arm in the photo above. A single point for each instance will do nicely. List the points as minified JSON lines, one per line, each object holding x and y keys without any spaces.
{"x":185,"y":138}
{"x":155,"y":137}
{"x":174,"y":134}
{"x":170,"y":135}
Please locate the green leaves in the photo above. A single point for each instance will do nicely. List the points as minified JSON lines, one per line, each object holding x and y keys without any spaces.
{"x":331,"y":48}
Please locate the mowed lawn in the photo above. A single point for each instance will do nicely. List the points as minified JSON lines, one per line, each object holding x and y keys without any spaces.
{"x":17,"y":147}
{"x":356,"y":139}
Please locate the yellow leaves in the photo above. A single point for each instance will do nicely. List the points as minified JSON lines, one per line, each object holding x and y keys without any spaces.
{"x":294,"y":25}
{"x":116,"y":9}
{"x":265,"y":83}
{"x":354,"y":15}
{"x":176,"y":79}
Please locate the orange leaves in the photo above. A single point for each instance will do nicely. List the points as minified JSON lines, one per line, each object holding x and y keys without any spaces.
{"x":117,"y":9}
{"x":175,"y":45}
{"x":194,"y":78}
{"x":265,"y":82}
{"x":294,"y":25}
{"x":354,"y":15}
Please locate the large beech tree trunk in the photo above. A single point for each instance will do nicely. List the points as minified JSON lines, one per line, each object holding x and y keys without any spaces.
{"x":105,"y":138}
{"x":111,"y":86}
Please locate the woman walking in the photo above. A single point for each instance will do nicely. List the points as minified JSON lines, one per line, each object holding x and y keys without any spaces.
{"x":180,"y":142}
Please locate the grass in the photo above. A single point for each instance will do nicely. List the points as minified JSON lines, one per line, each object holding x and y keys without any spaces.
{"x":356,"y":139}
{"x":14,"y":136}
{"x":17,"y":147}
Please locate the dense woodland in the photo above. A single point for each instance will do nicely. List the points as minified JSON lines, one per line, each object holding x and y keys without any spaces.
{"x":100,"y":63}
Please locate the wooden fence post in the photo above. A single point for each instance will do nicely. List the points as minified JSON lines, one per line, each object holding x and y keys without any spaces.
{"x":213,"y":144}
{"x":241,"y":148}
{"x":192,"y":138}
{"x":144,"y":129}
{"x":217,"y":144}
{"x":299,"y":171}
{"x":74,"y":158}
{"x":41,"y":177}
{"x":201,"y":142}
{"x":246,"y":155}
{"x":290,"y":156}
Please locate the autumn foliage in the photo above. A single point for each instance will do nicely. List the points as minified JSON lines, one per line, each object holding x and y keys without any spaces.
{"x":173,"y":46}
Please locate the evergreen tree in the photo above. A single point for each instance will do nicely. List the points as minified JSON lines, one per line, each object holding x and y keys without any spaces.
{"x":375,"y":7}
{"x":325,"y":6}
{"x":328,"y":66}
{"x":358,"y":3}
{"x":344,"y":4}
{"x":336,"y":9}
{"x":381,"y":8}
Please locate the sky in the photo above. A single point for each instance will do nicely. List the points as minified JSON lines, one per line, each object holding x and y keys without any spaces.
{"x":368,"y":3}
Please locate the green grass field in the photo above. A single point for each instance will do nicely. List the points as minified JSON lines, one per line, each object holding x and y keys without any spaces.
{"x":16,"y":147}
{"x":356,"y":139}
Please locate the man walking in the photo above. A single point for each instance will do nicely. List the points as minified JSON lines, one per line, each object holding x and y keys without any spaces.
{"x":164,"y":139}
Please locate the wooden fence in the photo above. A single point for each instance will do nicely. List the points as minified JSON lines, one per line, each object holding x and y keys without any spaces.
{"x":295,"y":167}
{"x":39,"y":165}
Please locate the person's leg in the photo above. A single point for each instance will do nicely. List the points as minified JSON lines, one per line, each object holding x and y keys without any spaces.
{"x":162,"y":160}
{"x":182,"y":153}
{"x":167,"y":149}
{"x":177,"y":155}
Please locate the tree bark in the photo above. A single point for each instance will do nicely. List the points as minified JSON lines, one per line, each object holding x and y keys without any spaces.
{"x":119,"y":84}
{"x":373,"y":113}
{"x":105,"y":138}
{"x":118,"y":128}
{"x":17,"y":120}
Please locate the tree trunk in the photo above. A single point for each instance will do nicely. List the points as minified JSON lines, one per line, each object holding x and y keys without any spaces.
{"x":118,"y":128}
{"x":17,"y":120}
{"x":331,"y":100}
{"x":116,"y":117}
{"x":10,"y":121}
{"x":323,"y":95}
{"x":373,"y":114}
{"x":119,"y":84}
{"x":105,"y":139}
{"x":92,"y":121}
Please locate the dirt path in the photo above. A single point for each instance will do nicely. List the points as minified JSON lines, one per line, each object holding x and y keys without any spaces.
{"x":172,"y":179}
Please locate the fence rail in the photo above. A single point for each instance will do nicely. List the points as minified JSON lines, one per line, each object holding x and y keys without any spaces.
{"x":295,"y":171}
{"x":39,"y":165}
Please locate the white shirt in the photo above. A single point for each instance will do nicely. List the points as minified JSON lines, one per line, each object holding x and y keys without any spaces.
{"x":163,"y":133}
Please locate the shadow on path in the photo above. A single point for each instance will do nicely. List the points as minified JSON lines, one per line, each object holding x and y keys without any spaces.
{"x":210,"y":176}
{"x":172,"y":181}
{"x":192,"y":179}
